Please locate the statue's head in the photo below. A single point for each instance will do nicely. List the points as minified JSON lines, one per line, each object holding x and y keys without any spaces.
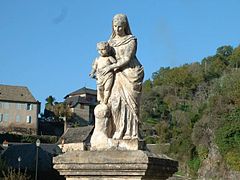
{"x":103,"y":48}
{"x":120,"y":20}
{"x":103,"y":45}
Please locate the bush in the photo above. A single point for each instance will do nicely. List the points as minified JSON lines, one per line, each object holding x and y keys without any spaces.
{"x":202,"y":152}
{"x":3,"y":166}
{"x":150,"y":139}
{"x":163,"y":132}
{"x":228,"y":137}
{"x":232,"y":158}
{"x":194,"y":165}
{"x":43,"y":139}
{"x":13,"y":175}
{"x":27,"y":138}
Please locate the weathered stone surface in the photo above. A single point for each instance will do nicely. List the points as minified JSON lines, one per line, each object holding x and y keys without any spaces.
{"x":104,"y":83}
{"x":119,"y":77}
{"x":115,"y":141}
{"x":114,"y":165}
{"x":131,"y":144}
{"x":72,"y":147}
{"x":100,"y":139}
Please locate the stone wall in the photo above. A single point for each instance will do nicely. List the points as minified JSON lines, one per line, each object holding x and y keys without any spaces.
{"x":82,"y":111}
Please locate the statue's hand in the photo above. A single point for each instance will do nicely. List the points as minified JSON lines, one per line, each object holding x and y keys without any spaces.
{"x":92,"y":75}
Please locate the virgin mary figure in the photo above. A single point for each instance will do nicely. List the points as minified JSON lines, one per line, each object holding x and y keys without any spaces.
{"x":124,"y":100}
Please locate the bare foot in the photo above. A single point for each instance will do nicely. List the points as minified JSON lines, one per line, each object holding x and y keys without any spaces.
{"x":116,"y":135}
{"x":127,"y":137}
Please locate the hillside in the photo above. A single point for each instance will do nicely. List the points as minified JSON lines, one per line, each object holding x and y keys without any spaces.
{"x":196,"y":109}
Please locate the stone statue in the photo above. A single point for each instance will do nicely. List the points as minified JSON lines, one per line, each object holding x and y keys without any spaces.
{"x":116,"y":150}
{"x":104,"y":83}
{"x":125,"y":93}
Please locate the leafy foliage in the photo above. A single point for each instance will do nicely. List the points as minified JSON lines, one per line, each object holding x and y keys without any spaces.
{"x":50,"y":100}
{"x":202,"y":152}
{"x":233,"y":159}
{"x":27,"y":138}
{"x":228,"y":139}
{"x":194,"y":165}
{"x":193,"y":106}
{"x":56,"y":110}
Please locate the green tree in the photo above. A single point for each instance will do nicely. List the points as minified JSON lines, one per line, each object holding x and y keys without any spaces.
{"x":62,"y":110}
{"x":195,"y":106}
{"x":50,"y":100}
{"x":147,"y":85}
{"x":234,"y":59}
{"x":159,"y":75}
{"x":48,"y":111}
{"x":214,"y":67}
{"x":163,"y":132}
{"x":225,"y":51}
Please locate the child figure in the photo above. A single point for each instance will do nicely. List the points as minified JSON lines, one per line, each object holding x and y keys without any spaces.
{"x":104,"y":82}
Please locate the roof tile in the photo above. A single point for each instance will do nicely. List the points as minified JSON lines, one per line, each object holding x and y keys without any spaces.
{"x":16,"y":94}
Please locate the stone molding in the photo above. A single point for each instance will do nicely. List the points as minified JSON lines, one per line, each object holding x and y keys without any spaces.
{"x":115,"y":165}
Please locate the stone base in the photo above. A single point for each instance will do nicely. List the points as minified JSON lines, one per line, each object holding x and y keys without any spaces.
{"x":71,"y":147}
{"x":132,"y":144}
{"x":112,"y":144}
{"x":113,"y":165}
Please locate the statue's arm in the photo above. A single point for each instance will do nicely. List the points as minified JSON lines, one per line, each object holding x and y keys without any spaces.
{"x":127,"y":55}
{"x":94,"y":69}
{"x":112,"y":60}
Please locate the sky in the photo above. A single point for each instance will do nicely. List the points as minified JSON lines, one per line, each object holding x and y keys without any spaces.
{"x":49,"y":46}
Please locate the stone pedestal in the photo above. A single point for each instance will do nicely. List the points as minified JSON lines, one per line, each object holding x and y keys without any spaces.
{"x":113,"y":165}
{"x":121,"y":144}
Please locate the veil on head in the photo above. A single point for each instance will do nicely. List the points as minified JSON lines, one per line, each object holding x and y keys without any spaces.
{"x":122,"y":18}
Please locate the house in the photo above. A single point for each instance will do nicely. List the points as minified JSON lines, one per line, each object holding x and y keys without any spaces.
{"x":18,"y":110}
{"x":76,"y":139}
{"x":82,"y":103}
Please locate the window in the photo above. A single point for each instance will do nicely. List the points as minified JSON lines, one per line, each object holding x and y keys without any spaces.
{"x":18,"y":118}
{"x":23,"y":106}
{"x":29,"y":119}
{"x":1,"y":105}
{"x":6,"y":105}
{"x":5,"y":117}
{"x":81,"y":106}
{"x":29,"y":106}
{"x":18,"y":106}
{"x":1,"y":117}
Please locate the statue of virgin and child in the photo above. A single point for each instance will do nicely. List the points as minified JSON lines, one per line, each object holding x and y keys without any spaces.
{"x":119,"y":77}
